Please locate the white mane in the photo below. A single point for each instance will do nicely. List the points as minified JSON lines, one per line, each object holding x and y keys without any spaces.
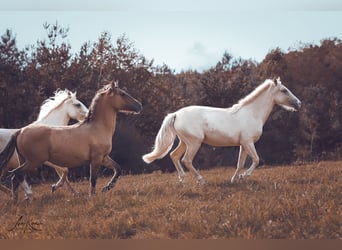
{"x":253,"y":95}
{"x":54,"y":102}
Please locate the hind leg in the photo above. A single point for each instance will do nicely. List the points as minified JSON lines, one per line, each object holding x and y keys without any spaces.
{"x":175,"y":156}
{"x":241,"y":162}
{"x":188,"y":158}
{"x":18,"y":178}
{"x":3,"y":187}
{"x":63,"y":177}
{"x":27,"y":189}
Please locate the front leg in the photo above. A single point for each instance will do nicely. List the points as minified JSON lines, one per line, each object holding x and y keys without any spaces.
{"x":110,"y":163}
{"x":94,"y":169}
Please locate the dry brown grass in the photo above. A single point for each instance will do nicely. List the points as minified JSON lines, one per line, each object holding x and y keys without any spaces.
{"x":281,"y":202}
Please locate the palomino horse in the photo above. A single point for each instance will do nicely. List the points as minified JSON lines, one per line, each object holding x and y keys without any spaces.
{"x":241,"y":125}
{"x":56,"y":110}
{"x":87,"y":142}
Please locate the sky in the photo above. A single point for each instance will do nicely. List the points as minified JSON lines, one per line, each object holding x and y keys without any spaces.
{"x":183,"y":34}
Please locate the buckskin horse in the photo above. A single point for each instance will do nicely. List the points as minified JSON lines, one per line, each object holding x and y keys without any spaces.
{"x":87,"y":142}
{"x":56,"y":110}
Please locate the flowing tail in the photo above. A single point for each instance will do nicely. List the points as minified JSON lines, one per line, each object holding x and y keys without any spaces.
{"x":164,"y":139}
{"x":8,"y":151}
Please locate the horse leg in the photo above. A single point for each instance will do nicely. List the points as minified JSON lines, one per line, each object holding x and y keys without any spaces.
{"x":17,"y":178}
{"x":63,"y":176}
{"x":188,"y":158}
{"x":94,"y":169}
{"x":241,"y":162}
{"x":250,"y":149}
{"x":110,"y":163}
{"x":27,"y":189}
{"x":61,"y":180}
{"x":3,"y":187}
{"x":175,"y":156}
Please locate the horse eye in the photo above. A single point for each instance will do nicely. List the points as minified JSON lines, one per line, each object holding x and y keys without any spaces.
{"x":122,"y":94}
{"x":284,"y":91}
{"x":78,"y":105}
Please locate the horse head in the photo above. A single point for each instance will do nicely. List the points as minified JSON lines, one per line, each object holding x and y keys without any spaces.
{"x":75,"y":108}
{"x":121,"y":101}
{"x":284,"y":97}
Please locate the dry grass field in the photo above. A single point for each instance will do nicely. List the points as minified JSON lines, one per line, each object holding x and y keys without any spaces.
{"x":286,"y":202}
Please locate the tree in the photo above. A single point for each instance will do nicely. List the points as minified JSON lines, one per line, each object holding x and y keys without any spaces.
{"x":49,"y":60}
{"x":12,"y":89}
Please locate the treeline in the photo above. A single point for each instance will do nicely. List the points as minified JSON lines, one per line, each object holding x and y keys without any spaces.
{"x":312,"y":72}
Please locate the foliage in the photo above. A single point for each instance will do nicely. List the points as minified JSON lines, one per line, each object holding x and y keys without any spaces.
{"x":312,"y":72}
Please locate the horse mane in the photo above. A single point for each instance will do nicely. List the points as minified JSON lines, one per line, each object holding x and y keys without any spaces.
{"x":53,"y":103}
{"x":94,"y":102}
{"x":253,"y":95}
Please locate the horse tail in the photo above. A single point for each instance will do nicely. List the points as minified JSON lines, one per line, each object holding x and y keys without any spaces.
{"x":8,"y":151}
{"x":164,"y":140}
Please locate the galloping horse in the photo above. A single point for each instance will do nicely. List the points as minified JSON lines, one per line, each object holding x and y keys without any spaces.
{"x":56,"y":110}
{"x":87,"y":142}
{"x":240,"y":125}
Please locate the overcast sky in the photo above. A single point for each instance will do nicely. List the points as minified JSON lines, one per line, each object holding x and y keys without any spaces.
{"x":183,"y":34}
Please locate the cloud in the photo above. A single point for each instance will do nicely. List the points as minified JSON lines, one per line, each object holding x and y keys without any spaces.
{"x":200,"y":58}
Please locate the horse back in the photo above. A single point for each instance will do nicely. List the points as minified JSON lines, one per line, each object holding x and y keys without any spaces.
{"x":211,"y":125}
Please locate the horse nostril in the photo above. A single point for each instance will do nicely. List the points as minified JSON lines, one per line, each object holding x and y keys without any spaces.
{"x":299,"y":104}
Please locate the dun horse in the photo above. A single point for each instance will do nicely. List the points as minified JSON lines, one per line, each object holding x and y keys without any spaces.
{"x":56,"y":110}
{"x":87,"y":142}
{"x":240,"y":125}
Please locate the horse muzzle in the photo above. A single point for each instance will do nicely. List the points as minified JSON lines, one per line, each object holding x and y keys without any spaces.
{"x":135,"y":109}
{"x":296,"y":104}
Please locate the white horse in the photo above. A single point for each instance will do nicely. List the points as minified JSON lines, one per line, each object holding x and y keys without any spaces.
{"x":240,"y":125}
{"x":56,"y":110}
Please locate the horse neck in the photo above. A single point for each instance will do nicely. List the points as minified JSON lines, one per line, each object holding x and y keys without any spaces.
{"x":261,"y":107}
{"x":104,"y":118}
{"x":58,"y":117}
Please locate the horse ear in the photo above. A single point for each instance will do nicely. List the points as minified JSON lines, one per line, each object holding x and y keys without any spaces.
{"x":116,"y":84}
{"x":276,"y":80}
{"x":112,"y":88}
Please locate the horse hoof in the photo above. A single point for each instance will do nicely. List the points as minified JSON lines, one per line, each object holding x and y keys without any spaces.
{"x":201,"y":182}
{"x":28,"y":198}
{"x":53,"y":188}
{"x":181,"y":183}
{"x":181,"y":179}
{"x":105,"y":189}
{"x":242,"y":177}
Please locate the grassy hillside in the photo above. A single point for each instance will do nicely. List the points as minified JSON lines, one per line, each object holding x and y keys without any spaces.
{"x":281,"y":202}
